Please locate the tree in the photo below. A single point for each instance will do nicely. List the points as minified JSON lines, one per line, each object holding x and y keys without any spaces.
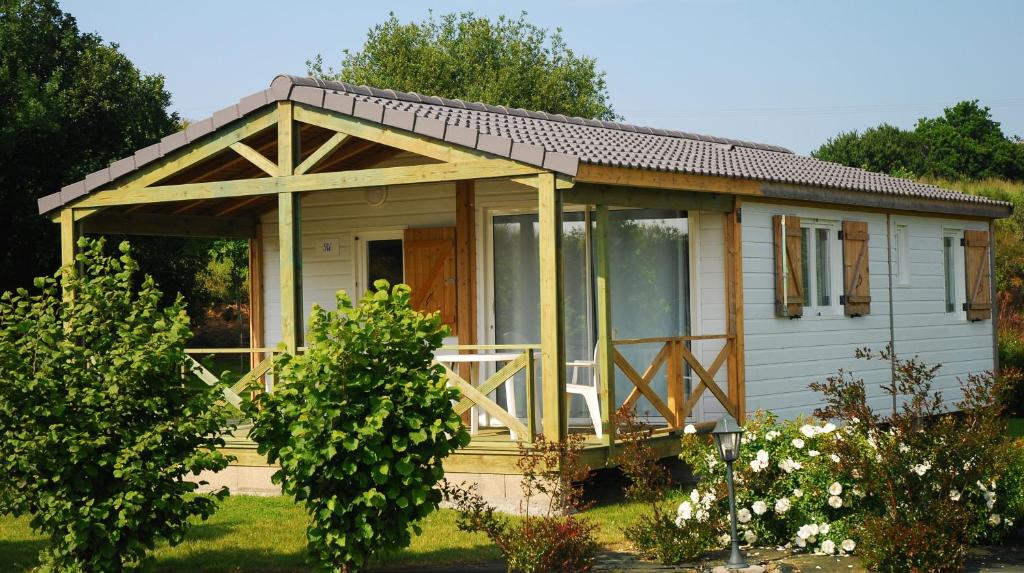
{"x":508,"y":62}
{"x":98,"y":425}
{"x":69,"y":105}
{"x":964,"y":143}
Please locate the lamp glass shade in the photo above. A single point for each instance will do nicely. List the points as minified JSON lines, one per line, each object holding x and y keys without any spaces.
{"x":728,"y":435}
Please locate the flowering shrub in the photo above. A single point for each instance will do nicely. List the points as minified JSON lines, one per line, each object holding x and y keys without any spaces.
{"x":554,"y":542}
{"x":937,"y":482}
{"x":663,"y":533}
{"x":789,"y":490}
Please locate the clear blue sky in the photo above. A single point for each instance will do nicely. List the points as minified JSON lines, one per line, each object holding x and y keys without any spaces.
{"x":789,"y":72}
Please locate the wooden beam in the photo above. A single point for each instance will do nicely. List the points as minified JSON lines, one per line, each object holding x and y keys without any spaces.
{"x":289,"y":209}
{"x":734,"y":220}
{"x":287,"y":149}
{"x":256,"y":322}
{"x":465,"y":261}
{"x":414,"y":174}
{"x":884,"y":202}
{"x":629,"y":177}
{"x":69,"y":231}
{"x":161,"y":225}
{"x":239,"y":205}
{"x":190,"y":156}
{"x":413,"y":143}
{"x":605,"y":350}
{"x":592,"y":194}
{"x":552,"y":317}
{"x":255,"y":157}
{"x":322,"y":152}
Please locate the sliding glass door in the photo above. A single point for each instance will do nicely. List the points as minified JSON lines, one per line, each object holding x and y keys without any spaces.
{"x":650,"y":287}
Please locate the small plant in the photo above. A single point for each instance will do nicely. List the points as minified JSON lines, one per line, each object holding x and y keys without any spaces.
{"x":666,"y":534}
{"x":556,"y":541}
{"x":98,"y":426}
{"x":935,"y":480}
{"x":361,"y":423}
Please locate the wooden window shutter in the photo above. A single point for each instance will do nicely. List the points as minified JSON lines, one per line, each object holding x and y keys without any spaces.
{"x":789,"y":268}
{"x":979,"y":280}
{"x":856,"y":276}
{"x":430,"y":271}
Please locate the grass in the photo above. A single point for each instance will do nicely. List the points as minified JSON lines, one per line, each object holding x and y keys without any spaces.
{"x":267,"y":535}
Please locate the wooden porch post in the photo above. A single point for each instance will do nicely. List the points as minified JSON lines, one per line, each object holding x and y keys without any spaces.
{"x":289,"y":212}
{"x":465,"y":272}
{"x":256,"y":295}
{"x":606,"y":348}
{"x":552,"y":316}
{"x":69,"y":233}
{"x":734,"y":308}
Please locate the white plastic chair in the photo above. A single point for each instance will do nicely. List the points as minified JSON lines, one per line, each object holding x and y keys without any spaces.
{"x":588,"y":392}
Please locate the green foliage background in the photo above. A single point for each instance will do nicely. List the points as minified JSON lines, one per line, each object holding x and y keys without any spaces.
{"x":505,"y":61}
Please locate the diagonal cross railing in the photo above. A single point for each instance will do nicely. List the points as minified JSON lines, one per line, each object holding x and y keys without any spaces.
{"x":233,"y":393}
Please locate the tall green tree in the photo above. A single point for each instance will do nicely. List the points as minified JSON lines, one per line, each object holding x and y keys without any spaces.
{"x":505,"y":61}
{"x":69,"y":105}
{"x":964,"y":143}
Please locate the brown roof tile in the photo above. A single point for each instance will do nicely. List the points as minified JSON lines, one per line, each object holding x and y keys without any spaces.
{"x":553,"y":141}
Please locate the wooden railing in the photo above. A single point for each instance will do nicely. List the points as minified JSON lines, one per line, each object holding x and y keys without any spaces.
{"x":478,"y":395}
{"x":232,"y":394}
{"x":674,"y":353}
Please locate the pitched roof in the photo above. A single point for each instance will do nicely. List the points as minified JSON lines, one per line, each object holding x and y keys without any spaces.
{"x":556,"y":142}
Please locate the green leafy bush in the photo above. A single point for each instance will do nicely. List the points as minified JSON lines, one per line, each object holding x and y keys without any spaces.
{"x":663,"y":533}
{"x":555,"y":541}
{"x":360,"y":424}
{"x":98,"y":427}
{"x":936,"y":481}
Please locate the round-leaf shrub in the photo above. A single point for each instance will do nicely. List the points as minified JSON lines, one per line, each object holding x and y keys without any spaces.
{"x":98,"y":426}
{"x":360,"y":423}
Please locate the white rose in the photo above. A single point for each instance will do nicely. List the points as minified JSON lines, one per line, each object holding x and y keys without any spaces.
{"x":803,"y":533}
{"x":954,"y":495}
{"x":814,"y":528}
{"x":807,"y":430}
{"x":813,"y":453}
{"x":824,"y":528}
{"x":690,"y":429}
{"x":750,"y":537}
{"x":828,"y":428}
{"x":695,"y":496}
{"x":835,"y":489}
{"x":798,"y":492}
{"x":782,"y":505}
{"x":828,"y":547}
{"x":904,"y":448}
{"x":762,"y":455}
{"x":834,"y":458}
{"x":797,"y":443}
{"x":848,"y":545}
{"x":724,"y":539}
{"x":835,"y":501}
{"x":801,"y":542}
{"x":743,"y":515}
{"x":994,"y":519}
{"x":680,"y":521}
{"x":770,"y":436}
{"x":685,"y":511}
{"x":702,"y":515}
{"x":759,"y":507}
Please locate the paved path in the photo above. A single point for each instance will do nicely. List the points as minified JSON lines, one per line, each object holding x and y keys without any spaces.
{"x":1006,"y":559}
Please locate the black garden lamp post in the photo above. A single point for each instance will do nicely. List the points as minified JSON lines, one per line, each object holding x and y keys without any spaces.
{"x":728,"y":435}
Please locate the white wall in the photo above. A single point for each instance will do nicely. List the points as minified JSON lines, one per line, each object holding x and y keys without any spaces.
{"x":784,"y":355}
{"x":708,"y":303}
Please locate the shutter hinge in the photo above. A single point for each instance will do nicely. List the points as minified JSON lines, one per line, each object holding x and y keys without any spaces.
{"x":963,"y":242}
{"x":965,"y":307}
{"x":840,"y":235}
{"x":739,"y":215}
{"x":842,"y":297}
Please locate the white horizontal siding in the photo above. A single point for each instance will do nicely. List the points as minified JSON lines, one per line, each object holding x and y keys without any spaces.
{"x":783,"y":356}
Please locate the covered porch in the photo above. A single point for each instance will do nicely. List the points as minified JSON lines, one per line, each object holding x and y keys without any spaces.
{"x":571,"y":290}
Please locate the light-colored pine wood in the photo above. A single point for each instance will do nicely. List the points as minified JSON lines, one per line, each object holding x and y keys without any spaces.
{"x":465,"y":260}
{"x":414,"y":174}
{"x":482,"y":401}
{"x":630,"y":177}
{"x":552,"y":318}
{"x":605,"y":349}
{"x":594,"y":194}
{"x":492,"y":383}
{"x":287,"y":146}
{"x":674,"y":383}
{"x":644,"y":388}
{"x":161,"y":225}
{"x":289,"y":209}
{"x":789,"y":282}
{"x":322,"y":152}
{"x":649,"y":373}
{"x":255,"y":157}
{"x":256,"y":316}
{"x":68,"y":237}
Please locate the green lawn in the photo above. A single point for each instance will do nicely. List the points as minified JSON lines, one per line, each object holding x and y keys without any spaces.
{"x":267,"y":534}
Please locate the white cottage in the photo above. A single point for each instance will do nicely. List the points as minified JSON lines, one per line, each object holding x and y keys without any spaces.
{"x":582,"y":265}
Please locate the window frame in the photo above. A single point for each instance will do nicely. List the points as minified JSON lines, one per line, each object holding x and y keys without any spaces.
{"x":361,"y":240}
{"x":959,"y":278}
{"x":901,"y":251}
{"x":835,"y":267}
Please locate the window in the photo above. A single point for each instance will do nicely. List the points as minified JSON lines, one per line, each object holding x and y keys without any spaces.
{"x":818,"y":263}
{"x":379,"y":255}
{"x":949,"y":271}
{"x":902,"y":255}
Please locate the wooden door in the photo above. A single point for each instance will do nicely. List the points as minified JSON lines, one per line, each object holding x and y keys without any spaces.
{"x":430,"y":272}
